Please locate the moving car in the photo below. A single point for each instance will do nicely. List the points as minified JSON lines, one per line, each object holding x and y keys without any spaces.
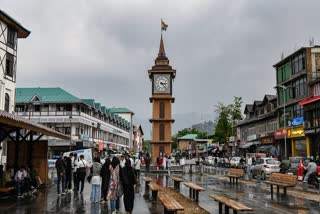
{"x":264,"y":167}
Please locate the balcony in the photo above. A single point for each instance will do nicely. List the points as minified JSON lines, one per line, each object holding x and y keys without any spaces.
{"x":314,"y":77}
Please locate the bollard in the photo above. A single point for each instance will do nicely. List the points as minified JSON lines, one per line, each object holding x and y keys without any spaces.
{"x":305,"y":186}
{"x":258,"y":179}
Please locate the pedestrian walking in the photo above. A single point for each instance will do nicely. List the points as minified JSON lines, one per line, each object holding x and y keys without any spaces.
{"x":75,"y":161}
{"x":81,"y":173}
{"x":128,"y":180}
{"x":137,"y":164}
{"x":164,"y":162}
{"x":115,"y":188}
{"x":96,"y":180}
{"x":169,"y":165}
{"x":61,"y":171}
{"x":158,"y":163}
{"x":69,"y":172}
{"x":105,"y":175}
{"x":148,"y":162}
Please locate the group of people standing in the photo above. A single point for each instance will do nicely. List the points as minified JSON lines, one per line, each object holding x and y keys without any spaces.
{"x":68,"y":167}
{"x":110,"y":179}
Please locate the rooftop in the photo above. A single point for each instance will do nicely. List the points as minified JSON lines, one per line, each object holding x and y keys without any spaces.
{"x":22,"y":31}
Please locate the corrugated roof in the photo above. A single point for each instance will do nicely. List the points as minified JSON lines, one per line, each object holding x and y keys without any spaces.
{"x":45,"y":95}
{"x":89,"y":102}
{"x":119,"y":110}
{"x":20,"y":122}
{"x":188,"y":137}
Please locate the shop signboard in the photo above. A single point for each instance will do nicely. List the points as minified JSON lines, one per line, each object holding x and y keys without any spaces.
{"x":252,"y":137}
{"x":296,"y":132}
{"x":280,"y":133}
{"x":266,"y":140}
{"x":84,"y":137}
{"x":310,"y":131}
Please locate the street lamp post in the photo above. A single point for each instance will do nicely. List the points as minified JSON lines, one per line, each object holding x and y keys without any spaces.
{"x":284,"y":119}
{"x":70,"y":118}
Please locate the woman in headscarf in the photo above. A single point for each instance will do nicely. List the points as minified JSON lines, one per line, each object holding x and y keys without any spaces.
{"x":128,"y":181}
{"x":115,"y":189}
{"x":105,"y":175}
{"x":96,"y":180}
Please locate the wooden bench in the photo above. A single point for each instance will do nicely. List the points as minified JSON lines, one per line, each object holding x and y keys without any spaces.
{"x":283,"y":180}
{"x":228,"y":203}
{"x":154,"y":189}
{"x":6,"y":191}
{"x":176,"y":181}
{"x":235,"y":174}
{"x":147,"y":181}
{"x":171,"y":206}
{"x":194,"y":190}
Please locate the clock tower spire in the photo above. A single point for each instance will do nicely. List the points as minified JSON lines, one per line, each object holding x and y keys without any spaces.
{"x":161,"y":76}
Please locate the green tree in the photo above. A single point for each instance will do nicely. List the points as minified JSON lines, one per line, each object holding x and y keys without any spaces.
{"x":228,"y":117}
{"x":146,"y":146}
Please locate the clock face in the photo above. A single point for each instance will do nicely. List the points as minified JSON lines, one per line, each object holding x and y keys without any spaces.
{"x":162,"y":83}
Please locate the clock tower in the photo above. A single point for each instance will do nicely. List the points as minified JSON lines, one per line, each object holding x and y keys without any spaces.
{"x":161,"y":76}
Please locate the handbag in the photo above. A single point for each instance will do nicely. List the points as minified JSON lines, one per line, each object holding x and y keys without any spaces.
{"x":89,"y":178}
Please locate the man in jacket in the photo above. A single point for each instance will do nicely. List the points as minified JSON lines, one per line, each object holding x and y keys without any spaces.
{"x":61,"y":172}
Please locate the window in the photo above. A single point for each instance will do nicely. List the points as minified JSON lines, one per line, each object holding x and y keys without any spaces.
{"x":9,"y":65}
{"x":11,"y":37}
{"x":161,"y":130}
{"x":19,"y":108}
{"x":7,"y":103}
{"x":298,"y":63}
{"x":37,"y":108}
{"x":161,"y":110}
{"x":299,"y":88}
{"x":297,"y":111}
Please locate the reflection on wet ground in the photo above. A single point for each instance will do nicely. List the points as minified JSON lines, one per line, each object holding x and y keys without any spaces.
{"x":47,"y":201}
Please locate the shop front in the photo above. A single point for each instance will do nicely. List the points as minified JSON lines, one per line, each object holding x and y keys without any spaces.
{"x":313,"y":136}
{"x":281,"y":137}
{"x":300,"y":144}
{"x":265,"y":144}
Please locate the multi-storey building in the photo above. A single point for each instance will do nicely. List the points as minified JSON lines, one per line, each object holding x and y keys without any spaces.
{"x":87,"y":122}
{"x":311,"y":105}
{"x":137,"y":138}
{"x":294,"y":74}
{"x":10,"y":32}
{"x":257,"y":129}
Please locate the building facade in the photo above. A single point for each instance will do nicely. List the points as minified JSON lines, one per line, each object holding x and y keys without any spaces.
{"x":137,"y":138}
{"x":10,"y":32}
{"x":89,"y":124}
{"x":256,"y":131}
{"x":294,"y":75}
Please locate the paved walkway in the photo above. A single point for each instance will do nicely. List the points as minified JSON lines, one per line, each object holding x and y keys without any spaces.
{"x":255,"y":196}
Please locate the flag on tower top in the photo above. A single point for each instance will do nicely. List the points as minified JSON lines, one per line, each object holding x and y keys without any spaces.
{"x":164,"y":26}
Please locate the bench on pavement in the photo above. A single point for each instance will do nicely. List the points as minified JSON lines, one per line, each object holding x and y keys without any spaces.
{"x":147,"y":181}
{"x":194,"y":190}
{"x":171,"y":206}
{"x":229,"y":203}
{"x":281,"y":180}
{"x":235,"y":174}
{"x":176,"y":181}
{"x":154,"y":189}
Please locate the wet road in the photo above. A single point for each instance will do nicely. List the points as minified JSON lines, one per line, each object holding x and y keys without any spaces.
{"x":47,"y":201}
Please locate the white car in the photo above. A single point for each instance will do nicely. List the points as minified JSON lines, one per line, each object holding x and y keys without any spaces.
{"x":264,"y":167}
{"x":235,"y":161}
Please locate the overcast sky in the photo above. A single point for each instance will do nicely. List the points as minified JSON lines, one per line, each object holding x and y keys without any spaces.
{"x":103,"y":49}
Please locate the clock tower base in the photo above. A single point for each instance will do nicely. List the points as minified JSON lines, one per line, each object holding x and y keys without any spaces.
{"x":160,"y":150}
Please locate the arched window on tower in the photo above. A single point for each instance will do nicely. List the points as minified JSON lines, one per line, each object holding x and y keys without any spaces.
{"x":7,"y":103}
{"x":162,"y":110}
{"x":161,"y":131}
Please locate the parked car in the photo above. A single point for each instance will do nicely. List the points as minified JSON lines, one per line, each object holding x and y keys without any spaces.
{"x":52,"y":163}
{"x":295,"y":162}
{"x":264,"y":167}
{"x":235,"y":161}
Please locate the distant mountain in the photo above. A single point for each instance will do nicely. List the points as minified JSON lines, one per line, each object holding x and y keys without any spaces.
{"x":182,"y":121}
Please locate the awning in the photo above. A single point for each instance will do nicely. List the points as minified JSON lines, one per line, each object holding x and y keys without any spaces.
{"x":11,"y":120}
{"x":310,"y":100}
{"x":264,"y":148}
{"x":247,"y":145}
